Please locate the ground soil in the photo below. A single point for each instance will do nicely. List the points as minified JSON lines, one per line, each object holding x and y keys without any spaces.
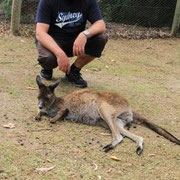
{"x":146,"y":72}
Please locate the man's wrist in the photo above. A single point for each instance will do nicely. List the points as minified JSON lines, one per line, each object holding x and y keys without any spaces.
{"x":86,"y":33}
{"x":60,"y":53}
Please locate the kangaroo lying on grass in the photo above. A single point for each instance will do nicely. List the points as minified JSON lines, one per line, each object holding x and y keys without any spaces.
{"x":92,"y":107}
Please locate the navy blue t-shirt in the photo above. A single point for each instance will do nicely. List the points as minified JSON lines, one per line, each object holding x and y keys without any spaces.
{"x":67,"y":18}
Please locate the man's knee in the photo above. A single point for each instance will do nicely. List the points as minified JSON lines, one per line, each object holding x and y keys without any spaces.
{"x":101,"y":39}
{"x":96,"y":44}
{"x":46,"y":58}
{"x":48,"y":62}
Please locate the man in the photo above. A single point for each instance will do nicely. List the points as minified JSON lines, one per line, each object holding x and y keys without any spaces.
{"x":60,"y":34}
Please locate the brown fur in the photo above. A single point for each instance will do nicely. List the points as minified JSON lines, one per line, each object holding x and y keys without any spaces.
{"x":92,"y":107}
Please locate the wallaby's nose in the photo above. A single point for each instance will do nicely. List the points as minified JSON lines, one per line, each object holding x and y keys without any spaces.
{"x":40,"y":105}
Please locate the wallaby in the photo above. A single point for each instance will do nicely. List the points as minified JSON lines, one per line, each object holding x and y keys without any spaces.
{"x":92,"y":107}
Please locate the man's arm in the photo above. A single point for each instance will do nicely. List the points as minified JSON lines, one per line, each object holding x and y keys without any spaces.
{"x":48,"y":42}
{"x":97,"y":27}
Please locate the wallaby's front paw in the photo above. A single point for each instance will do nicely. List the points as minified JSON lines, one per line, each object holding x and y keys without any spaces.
{"x":53,"y":120}
{"x":38,"y":118}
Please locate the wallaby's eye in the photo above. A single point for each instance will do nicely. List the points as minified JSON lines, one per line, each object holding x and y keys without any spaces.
{"x":43,"y":98}
{"x":46,"y":99}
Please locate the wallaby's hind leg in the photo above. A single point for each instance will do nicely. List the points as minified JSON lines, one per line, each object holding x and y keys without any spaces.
{"x":109,"y":118}
{"x":135,"y":138}
{"x":116,"y":137}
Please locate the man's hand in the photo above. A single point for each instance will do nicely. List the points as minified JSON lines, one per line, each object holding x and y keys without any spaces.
{"x":63,"y":62}
{"x":79,"y":45}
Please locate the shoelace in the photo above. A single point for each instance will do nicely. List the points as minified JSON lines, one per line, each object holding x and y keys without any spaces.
{"x":46,"y":71}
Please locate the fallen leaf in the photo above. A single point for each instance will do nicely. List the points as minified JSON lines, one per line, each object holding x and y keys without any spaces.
{"x":109,"y":170}
{"x":76,"y":150}
{"x":149,"y":48}
{"x":96,"y":167}
{"x":49,"y":160}
{"x":39,"y":130}
{"x":115,"y":158}
{"x":93,"y":69}
{"x":31,"y":88}
{"x":9,"y":126}
{"x":99,"y":177}
{"x":151,"y":155}
{"x":7,"y":62}
{"x":105,"y":134}
{"x":129,"y":164}
{"x":43,"y":170}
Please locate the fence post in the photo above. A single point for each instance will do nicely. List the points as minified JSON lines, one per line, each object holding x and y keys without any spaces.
{"x":176,"y":21}
{"x":15,"y":16}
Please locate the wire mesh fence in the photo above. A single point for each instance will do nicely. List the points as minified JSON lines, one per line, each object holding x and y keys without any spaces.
{"x":138,"y":18}
{"x":148,"y":13}
{"x":28,"y":11}
{"x":121,"y":16}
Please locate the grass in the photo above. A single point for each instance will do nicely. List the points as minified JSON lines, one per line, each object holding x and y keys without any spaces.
{"x":146,"y":72}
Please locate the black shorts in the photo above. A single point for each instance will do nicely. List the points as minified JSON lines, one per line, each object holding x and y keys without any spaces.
{"x":94,"y":47}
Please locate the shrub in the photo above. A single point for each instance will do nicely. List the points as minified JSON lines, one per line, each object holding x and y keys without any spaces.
{"x":27,"y":12}
{"x":6,"y":8}
{"x":142,"y":12}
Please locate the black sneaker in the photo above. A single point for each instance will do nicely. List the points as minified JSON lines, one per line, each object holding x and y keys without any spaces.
{"x":46,"y":74}
{"x":76,"y":79}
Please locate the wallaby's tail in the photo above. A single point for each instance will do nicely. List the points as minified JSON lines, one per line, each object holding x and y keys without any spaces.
{"x":138,"y":119}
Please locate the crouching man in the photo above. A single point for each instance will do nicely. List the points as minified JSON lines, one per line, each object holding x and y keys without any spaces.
{"x":61,"y":33}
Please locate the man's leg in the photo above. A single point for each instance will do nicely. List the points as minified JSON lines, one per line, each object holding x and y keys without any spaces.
{"x":81,"y":61}
{"x":93,"y":49}
{"x":47,"y":60}
{"x":75,"y":76}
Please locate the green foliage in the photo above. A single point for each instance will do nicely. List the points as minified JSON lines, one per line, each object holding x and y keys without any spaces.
{"x":28,"y":11}
{"x":154,"y":13}
{"x":6,"y":8}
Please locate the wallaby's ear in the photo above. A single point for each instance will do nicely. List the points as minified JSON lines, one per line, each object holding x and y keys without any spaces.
{"x":39,"y":82}
{"x":54,"y":85}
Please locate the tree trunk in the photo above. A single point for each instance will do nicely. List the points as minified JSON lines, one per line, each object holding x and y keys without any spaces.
{"x":176,"y":21}
{"x":15,"y":16}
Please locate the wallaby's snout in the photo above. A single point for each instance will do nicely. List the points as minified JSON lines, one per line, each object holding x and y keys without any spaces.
{"x":40,"y":104}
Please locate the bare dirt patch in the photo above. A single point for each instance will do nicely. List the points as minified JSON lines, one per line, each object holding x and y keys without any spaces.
{"x":147,"y":72}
